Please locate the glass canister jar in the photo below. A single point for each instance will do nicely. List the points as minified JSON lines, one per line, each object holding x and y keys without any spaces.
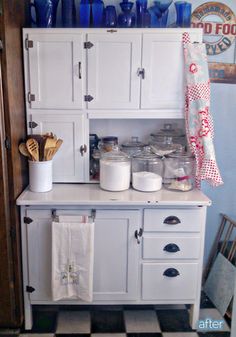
{"x":179,"y":172}
{"x":147,"y":170}
{"x":133,"y":146}
{"x":109,"y":143}
{"x":115,"y":167}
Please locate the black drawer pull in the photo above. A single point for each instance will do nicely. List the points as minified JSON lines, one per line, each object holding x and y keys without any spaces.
{"x":172,"y":220}
{"x":171,"y":272}
{"x":171,"y":248}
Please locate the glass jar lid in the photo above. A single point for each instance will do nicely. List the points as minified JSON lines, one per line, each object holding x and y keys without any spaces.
{"x":109,"y":139}
{"x":133,"y":143}
{"x":162,"y":149}
{"x":146,"y":155}
{"x":168,"y":131}
{"x":116,"y":156}
{"x":181,"y":155}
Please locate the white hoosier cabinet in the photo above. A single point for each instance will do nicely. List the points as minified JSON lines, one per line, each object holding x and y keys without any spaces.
{"x":148,"y":247}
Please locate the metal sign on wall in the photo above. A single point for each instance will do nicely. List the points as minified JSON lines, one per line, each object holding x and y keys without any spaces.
{"x":219,"y":25}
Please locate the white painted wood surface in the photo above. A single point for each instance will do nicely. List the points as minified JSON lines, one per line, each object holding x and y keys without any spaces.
{"x":52,"y":69}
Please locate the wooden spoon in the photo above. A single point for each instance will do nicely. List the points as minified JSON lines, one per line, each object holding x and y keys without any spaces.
{"x":33,"y":148}
{"x":23,"y":150}
{"x":51,"y":151}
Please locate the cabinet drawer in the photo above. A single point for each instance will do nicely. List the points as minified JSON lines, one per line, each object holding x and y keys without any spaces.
{"x":171,"y":247}
{"x":157,"y":286}
{"x":171,"y":220}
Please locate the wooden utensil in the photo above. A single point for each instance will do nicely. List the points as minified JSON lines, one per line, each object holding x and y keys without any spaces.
{"x":50,"y":142}
{"x":23,"y":150}
{"x":33,"y":148}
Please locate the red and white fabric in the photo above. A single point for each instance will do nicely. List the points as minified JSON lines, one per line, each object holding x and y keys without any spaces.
{"x":199,"y":123}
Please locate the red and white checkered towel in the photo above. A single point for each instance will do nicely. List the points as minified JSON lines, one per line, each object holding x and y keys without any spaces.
{"x":199,"y":123}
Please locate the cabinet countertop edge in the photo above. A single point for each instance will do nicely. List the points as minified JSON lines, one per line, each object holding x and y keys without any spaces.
{"x":92,"y":194}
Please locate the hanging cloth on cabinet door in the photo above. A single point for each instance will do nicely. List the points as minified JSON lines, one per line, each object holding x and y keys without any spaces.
{"x":199,"y":123}
{"x":72,"y":258}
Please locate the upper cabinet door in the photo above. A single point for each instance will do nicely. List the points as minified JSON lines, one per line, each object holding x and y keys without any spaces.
{"x":163,"y":83}
{"x":70,"y":163}
{"x":113,"y":62}
{"x":55,"y":71}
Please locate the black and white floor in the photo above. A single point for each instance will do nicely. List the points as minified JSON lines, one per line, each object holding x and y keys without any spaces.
{"x":120,"y":321}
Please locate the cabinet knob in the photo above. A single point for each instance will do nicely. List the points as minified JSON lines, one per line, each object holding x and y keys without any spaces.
{"x":171,"y":272}
{"x":171,"y":248}
{"x":172,"y":220}
{"x":138,"y":234}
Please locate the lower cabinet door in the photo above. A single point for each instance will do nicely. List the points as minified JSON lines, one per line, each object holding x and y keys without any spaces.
{"x":169,"y":281}
{"x":115,"y":254}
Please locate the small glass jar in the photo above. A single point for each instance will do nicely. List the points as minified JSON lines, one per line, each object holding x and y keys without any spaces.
{"x":133,"y":147}
{"x":147,"y":170}
{"x":108,"y":144}
{"x":115,"y":167}
{"x":179,"y":172}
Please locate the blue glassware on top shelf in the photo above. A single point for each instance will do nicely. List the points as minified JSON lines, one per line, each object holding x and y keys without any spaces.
{"x":183,"y":12}
{"x":45,"y":13}
{"x":68,"y":13}
{"x":110,"y":16}
{"x":84,"y":13}
{"x":141,"y":7}
{"x":127,"y":18}
{"x":97,"y":13}
{"x":162,"y":6}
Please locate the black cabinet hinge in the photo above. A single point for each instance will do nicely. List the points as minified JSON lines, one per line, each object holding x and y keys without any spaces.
{"x":32,"y":125}
{"x":1,"y":45}
{"x":29,"y":289}
{"x":88,"y":45}
{"x":7,"y":143}
{"x":27,"y":220}
{"x":88,"y":98}
{"x":30,"y":97}
{"x":28,"y":44}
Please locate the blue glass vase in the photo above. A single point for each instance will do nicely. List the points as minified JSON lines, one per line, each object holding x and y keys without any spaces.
{"x":97,"y":13}
{"x":110,"y":16}
{"x":84,"y":14}
{"x":127,"y":18}
{"x":45,"y":13}
{"x":68,"y":13}
{"x":141,"y":7}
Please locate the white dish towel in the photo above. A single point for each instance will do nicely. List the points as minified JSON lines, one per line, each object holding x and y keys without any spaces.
{"x":72,"y":259}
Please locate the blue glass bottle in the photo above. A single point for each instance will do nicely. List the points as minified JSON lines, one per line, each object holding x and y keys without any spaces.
{"x":127,"y":18}
{"x":68,"y":13}
{"x":110,"y":16}
{"x":84,"y":13}
{"x":97,"y":13}
{"x":141,"y":7}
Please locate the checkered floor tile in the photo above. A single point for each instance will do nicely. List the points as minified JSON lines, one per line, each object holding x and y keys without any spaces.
{"x":120,"y":321}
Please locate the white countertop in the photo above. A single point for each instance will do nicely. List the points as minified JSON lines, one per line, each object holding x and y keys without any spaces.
{"x":91,"y":194}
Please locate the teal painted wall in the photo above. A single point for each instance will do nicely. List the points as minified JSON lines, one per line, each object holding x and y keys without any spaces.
{"x":223,"y":107}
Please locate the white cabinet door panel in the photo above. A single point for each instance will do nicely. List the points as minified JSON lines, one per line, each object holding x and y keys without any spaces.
{"x":113,"y":62}
{"x":39,"y":253}
{"x":68,"y":163}
{"x":163,"y":85}
{"x":55,"y":69}
{"x":116,"y":255}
